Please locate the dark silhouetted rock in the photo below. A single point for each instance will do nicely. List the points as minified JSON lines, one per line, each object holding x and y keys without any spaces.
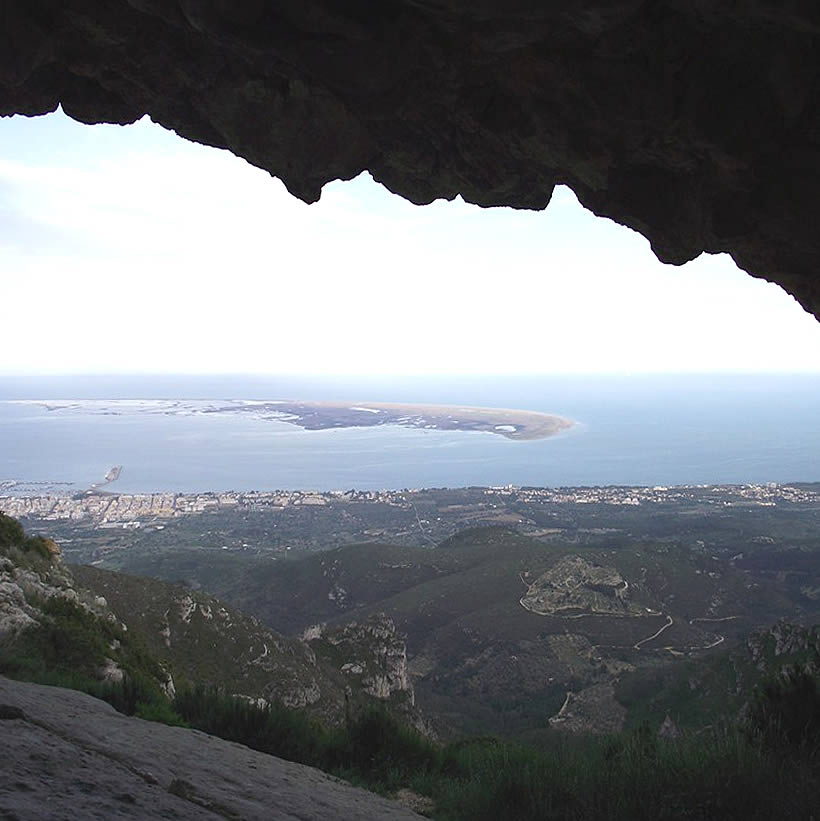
{"x":696,"y":123}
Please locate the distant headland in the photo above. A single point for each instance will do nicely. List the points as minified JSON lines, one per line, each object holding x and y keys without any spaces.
{"x":312,"y":415}
{"x":326,"y":415}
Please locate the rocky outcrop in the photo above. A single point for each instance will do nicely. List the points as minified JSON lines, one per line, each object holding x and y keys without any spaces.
{"x":695,"y":123}
{"x":16,"y":614}
{"x":370,"y":657}
{"x":575,"y":586}
{"x":67,"y":755}
{"x":785,"y":643}
{"x":592,"y":710}
{"x":27,"y":581}
{"x":48,"y":622}
{"x":203,"y":640}
{"x":373,"y":656}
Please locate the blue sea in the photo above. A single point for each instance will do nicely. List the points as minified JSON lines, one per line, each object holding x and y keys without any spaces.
{"x":630,"y":430}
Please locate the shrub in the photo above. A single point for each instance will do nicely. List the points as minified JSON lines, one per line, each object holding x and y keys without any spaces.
{"x":269,"y":728}
{"x":44,"y":548}
{"x":377,"y":744}
{"x":784,"y":714}
{"x":159,"y":709}
{"x":11,"y":532}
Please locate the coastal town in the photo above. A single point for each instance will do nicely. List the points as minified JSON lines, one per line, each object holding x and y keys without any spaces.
{"x":124,"y":509}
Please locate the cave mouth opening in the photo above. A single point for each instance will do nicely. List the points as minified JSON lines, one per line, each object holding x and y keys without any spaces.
{"x":131,"y":228}
{"x":694,"y":124}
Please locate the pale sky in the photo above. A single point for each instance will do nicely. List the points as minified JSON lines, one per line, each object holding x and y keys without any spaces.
{"x":131,"y":250}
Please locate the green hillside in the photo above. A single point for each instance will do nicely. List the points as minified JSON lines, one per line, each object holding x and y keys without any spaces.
{"x":491,"y":616}
{"x":202,"y":641}
{"x":501,"y":626}
{"x":101,"y":631}
{"x":54,"y":632}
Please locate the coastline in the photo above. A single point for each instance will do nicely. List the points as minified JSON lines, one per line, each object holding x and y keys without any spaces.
{"x":311,"y":414}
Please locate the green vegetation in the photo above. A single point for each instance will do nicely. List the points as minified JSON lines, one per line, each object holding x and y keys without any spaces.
{"x":784,"y":714}
{"x":11,"y":532}
{"x":29,"y":551}
{"x":135,"y":694}
{"x":764,"y":766}
{"x":482,"y":663}
{"x":271,"y":729}
{"x":176,"y":623}
{"x":771,"y":665}
{"x":372,"y":748}
{"x":725,"y":774}
{"x":69,"y":639}
{"x":68,"y":644}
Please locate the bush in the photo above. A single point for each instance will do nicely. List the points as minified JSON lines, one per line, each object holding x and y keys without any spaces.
{"x":784,"y":714}
{"x":269,"y":728}
{"x":44,"y":548}
{"x":373,"y":749}
{"x":11,"y":532}
{"x":159,"y":709}
{"x":378,"y":745}
{"x":70,"y":641}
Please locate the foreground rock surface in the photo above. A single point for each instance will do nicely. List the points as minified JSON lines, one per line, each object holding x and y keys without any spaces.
{"x":694,"y":123}
{"x":68,"y":756}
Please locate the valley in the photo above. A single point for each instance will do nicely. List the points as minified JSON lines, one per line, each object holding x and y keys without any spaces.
{"x":439,"y":672}
{"x":523,"y":610}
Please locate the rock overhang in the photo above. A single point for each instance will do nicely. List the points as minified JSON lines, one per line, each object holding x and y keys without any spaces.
{"x":695,"y":123}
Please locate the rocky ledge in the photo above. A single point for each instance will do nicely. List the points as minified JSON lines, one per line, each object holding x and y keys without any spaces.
{"x":67,"y":755}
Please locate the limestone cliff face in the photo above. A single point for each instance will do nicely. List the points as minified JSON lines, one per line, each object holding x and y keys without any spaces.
{"x":46,"y":618}
{"x":221,"y":645}
{"x":695,"y":123}
{"x":26,"y":579}
{"x":785,"y":643}
{"x":19,"y":589}
{"x":189,"y":635}
{"x":203,"y":640}
{"x":372,"y":656}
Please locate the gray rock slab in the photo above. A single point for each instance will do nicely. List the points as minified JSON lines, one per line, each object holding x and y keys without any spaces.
{"x":71,"y":756}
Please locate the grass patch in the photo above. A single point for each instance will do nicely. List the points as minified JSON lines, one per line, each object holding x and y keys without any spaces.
{"x":135,"y":695}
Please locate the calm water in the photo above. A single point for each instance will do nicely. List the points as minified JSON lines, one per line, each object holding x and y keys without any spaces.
{"x":638,"y":430}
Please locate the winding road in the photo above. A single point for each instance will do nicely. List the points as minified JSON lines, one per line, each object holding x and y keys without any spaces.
{"x":669,"y":622}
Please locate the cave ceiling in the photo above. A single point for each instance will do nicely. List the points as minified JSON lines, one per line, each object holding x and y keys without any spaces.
{"x":696,"y":123}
